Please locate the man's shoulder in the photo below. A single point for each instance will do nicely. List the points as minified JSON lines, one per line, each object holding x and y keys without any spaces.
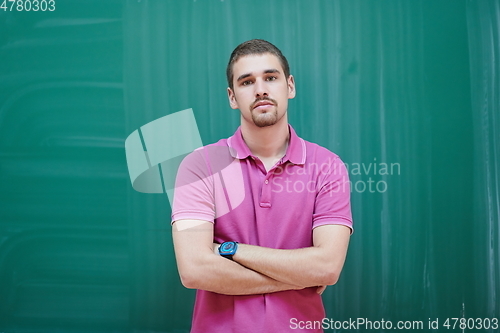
{"x":221,"y":142}
{"x":219,"y":145}
{"x":210,"y":158}
{"x":316,"y":153}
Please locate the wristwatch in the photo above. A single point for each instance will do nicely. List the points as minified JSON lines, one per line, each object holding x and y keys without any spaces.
{"x":228,"y":249}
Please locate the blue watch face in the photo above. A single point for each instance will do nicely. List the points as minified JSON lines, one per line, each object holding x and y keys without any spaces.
{"x":228,"y":248}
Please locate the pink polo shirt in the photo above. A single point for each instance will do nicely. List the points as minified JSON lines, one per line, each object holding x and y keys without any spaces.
{"x":224,"y":184}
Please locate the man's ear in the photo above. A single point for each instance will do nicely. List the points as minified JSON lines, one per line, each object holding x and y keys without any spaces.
{"x":232,"y":99}
{"x":291,"y":87}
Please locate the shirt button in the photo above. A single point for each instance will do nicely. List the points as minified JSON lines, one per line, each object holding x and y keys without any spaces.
{"x":267,"y":181}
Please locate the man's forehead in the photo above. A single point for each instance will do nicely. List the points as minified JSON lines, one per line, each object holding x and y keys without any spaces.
{"x":254,"y":63}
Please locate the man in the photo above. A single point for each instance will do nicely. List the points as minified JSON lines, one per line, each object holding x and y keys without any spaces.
{"x":280,"y":206}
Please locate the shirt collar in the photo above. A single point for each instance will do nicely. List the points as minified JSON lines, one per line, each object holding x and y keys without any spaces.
{"x":295,"y":153}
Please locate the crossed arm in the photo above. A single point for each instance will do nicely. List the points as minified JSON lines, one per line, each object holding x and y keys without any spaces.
{"x":255,"y":269}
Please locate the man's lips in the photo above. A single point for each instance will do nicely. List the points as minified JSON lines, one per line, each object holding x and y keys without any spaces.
{"x":263,"y":104}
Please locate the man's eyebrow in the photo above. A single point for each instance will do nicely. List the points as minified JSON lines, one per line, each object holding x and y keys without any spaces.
{"x":272,"y":71}
{"x":267,"y":71}
{"x":243,"y":76}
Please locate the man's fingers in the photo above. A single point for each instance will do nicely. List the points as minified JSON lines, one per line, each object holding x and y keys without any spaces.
{"x":320,"y":289}
{"x":216,"y":248}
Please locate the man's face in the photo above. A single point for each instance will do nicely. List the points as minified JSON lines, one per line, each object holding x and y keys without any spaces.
{"x":260,"y":89}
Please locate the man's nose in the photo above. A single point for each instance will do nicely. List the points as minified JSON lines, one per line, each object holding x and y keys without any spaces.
{"x":260,"y":88}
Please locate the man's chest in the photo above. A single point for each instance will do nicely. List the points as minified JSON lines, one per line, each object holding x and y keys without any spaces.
{"x":272,"y":208}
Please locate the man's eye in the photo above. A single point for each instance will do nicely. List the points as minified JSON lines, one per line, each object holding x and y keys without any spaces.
{"x":246,"y":83}
{"x":271,"y":78}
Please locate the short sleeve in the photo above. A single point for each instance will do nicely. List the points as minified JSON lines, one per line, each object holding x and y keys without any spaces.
{"x":193,"y":192}
{"x":333,"y":204}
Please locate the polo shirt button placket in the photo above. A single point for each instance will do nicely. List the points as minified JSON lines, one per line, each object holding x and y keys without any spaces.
{"x":265,"y":201}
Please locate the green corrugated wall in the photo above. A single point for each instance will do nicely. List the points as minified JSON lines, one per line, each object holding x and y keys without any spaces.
{"x":411,"y":85}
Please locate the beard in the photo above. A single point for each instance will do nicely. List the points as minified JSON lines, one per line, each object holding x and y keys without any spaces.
{"x":265,"y":119}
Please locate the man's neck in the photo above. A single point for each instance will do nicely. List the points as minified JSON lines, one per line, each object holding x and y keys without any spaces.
{"x":268,"y":142}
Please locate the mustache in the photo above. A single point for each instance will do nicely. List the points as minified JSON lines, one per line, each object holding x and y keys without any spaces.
{"x":275,"y":103}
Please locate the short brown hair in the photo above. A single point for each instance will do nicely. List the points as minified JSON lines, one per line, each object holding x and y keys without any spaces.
{"x":254,"y":46}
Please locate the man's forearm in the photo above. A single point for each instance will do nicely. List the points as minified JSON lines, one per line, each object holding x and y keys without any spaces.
{"x":304,"y":267}
{"x":317,"y":265}
{"x":200,"y":267}
{"x":223,"y":276}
